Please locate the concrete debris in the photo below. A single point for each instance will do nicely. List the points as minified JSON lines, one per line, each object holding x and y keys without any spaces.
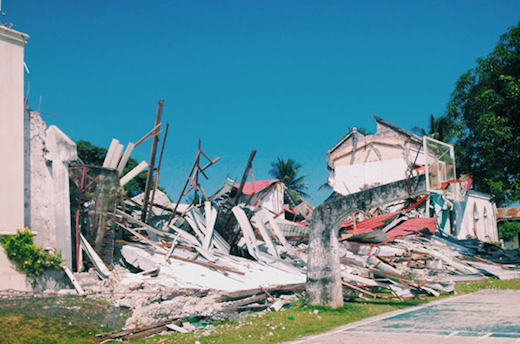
{"x":186,"y":271}
{"x":245,"y":249}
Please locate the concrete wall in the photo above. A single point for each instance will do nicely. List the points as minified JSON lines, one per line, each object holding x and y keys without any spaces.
{"x":354,"y":178}
{"x":11,"y":130}
{"x":48,"y":151}
{"x":476,"y":217}
{"x":360,"y":161}
{"x":271,"y":199}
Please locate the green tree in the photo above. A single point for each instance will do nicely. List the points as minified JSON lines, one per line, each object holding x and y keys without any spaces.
{"x":287,"y":172}
{"x":485,"y":106}
{"x":508,"y":230}
{"x":93,"y":155}
{"x":441,"y":128}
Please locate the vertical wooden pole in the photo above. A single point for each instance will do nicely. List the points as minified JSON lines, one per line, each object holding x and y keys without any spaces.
{"x":156,"y":183}
{"x":354,"y":223}
{"x":244,"y":176}
{"x":151,"y":165}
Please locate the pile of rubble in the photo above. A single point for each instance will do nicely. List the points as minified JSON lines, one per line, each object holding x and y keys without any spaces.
{"x":230,"y":251}
{"x":183,"y":268}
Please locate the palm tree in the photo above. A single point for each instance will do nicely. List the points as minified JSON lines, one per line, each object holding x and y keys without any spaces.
{"x":440,"y":128}
{"x":286,"y":171}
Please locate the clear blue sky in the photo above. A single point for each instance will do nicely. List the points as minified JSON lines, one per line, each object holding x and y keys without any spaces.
{"x":284,"y":77}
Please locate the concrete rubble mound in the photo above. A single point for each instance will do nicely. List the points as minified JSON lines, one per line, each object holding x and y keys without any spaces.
{"x":246,"y":248}
{"x":210,"y":259}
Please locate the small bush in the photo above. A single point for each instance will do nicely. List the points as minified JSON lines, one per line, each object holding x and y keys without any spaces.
{"x":31,"y":258}
{"x":508,"y":230}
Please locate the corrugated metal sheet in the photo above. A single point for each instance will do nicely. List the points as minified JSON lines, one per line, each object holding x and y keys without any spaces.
{"x":251,"y":188}
{"x":411,"y":226}
{"x":512,"y":213}
{"x":368,"y":224}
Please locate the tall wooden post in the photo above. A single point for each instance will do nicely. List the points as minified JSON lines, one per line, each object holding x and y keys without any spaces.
{"x":151,"y":164}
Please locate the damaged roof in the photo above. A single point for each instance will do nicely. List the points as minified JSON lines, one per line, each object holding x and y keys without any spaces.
{"x":255,"y":187}
{"x":383,"y":122}
{"x":512,"y":213}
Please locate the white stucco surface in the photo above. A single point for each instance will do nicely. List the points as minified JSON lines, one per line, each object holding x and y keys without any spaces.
{"x":12,"y":279}
{"x":360,"y":161}
{"x":48,"y":151}
{"x":271,"y":199}
{"x":478,"y":216}
{"x":353,"y":178}
{"x":11,"y":130}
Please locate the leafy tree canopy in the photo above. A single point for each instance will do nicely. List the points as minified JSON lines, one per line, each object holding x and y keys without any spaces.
{"x":508,"y":230}
{"x":93,"y":155}
{"x":485,"y":107}
{"x":287,"y":172}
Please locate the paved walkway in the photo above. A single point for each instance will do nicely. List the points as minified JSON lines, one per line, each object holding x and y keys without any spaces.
{"x":489,"y":316}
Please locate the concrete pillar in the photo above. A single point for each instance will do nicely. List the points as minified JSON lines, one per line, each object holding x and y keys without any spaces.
{"x":323,"y":268}
{"x":11,"y":130}
{"x":60,"y":150}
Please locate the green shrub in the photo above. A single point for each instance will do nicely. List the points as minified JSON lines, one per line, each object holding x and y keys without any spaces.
{"x":31,"y":258}
{"x":508,"y":230}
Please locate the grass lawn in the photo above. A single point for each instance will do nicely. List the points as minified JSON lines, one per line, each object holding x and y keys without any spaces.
{"x":28,"y":323}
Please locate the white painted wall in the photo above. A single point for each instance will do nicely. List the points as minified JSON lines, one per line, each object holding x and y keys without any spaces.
{"x":47,"y":185}
{"x":11,"y":130}
{"x":478,"y":216}
{"x":349,"y":179}
{"x":361,"y":161}
{"x":273,"y":200}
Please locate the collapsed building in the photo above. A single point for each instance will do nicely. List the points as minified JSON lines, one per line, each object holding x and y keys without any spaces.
{"x":400,"y":221}
{"x":358,"y":162}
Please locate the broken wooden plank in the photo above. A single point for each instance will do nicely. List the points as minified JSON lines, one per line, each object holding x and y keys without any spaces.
{"x":247,"y":231}
{"x":151,"y":132}
{"x":75,"y":283}
{"x":177,"y":328}
{"x":217,"y":240}
{"x":145,"y":239}
{"x":211,"y":218}
{"x":116,"y":156}
{"x":361,"y":290}
{"x":126,"y":156}
{"x":110,"y":153}
{"x":94,"y":257}
{"x":248,"y":301}
{"x":133,"y":173}
{"x":236,"y":295}
{"x":195,"y":225}
{"x":362,"y":280}
{"x":265,"y":235}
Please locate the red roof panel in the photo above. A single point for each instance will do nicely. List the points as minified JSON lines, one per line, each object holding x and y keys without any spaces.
{"x":411,"y":226}
{"x":252,"y":188}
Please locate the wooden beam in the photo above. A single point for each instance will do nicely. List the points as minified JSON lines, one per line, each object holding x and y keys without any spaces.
{"x":156,"y":183}
{"x":153,"y":152}
{"x":133,"y":173}
{"x":363,"y":291}
{"x":244,"y":176}
{"x":151,"y":132}
{"x":122,"y":164}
